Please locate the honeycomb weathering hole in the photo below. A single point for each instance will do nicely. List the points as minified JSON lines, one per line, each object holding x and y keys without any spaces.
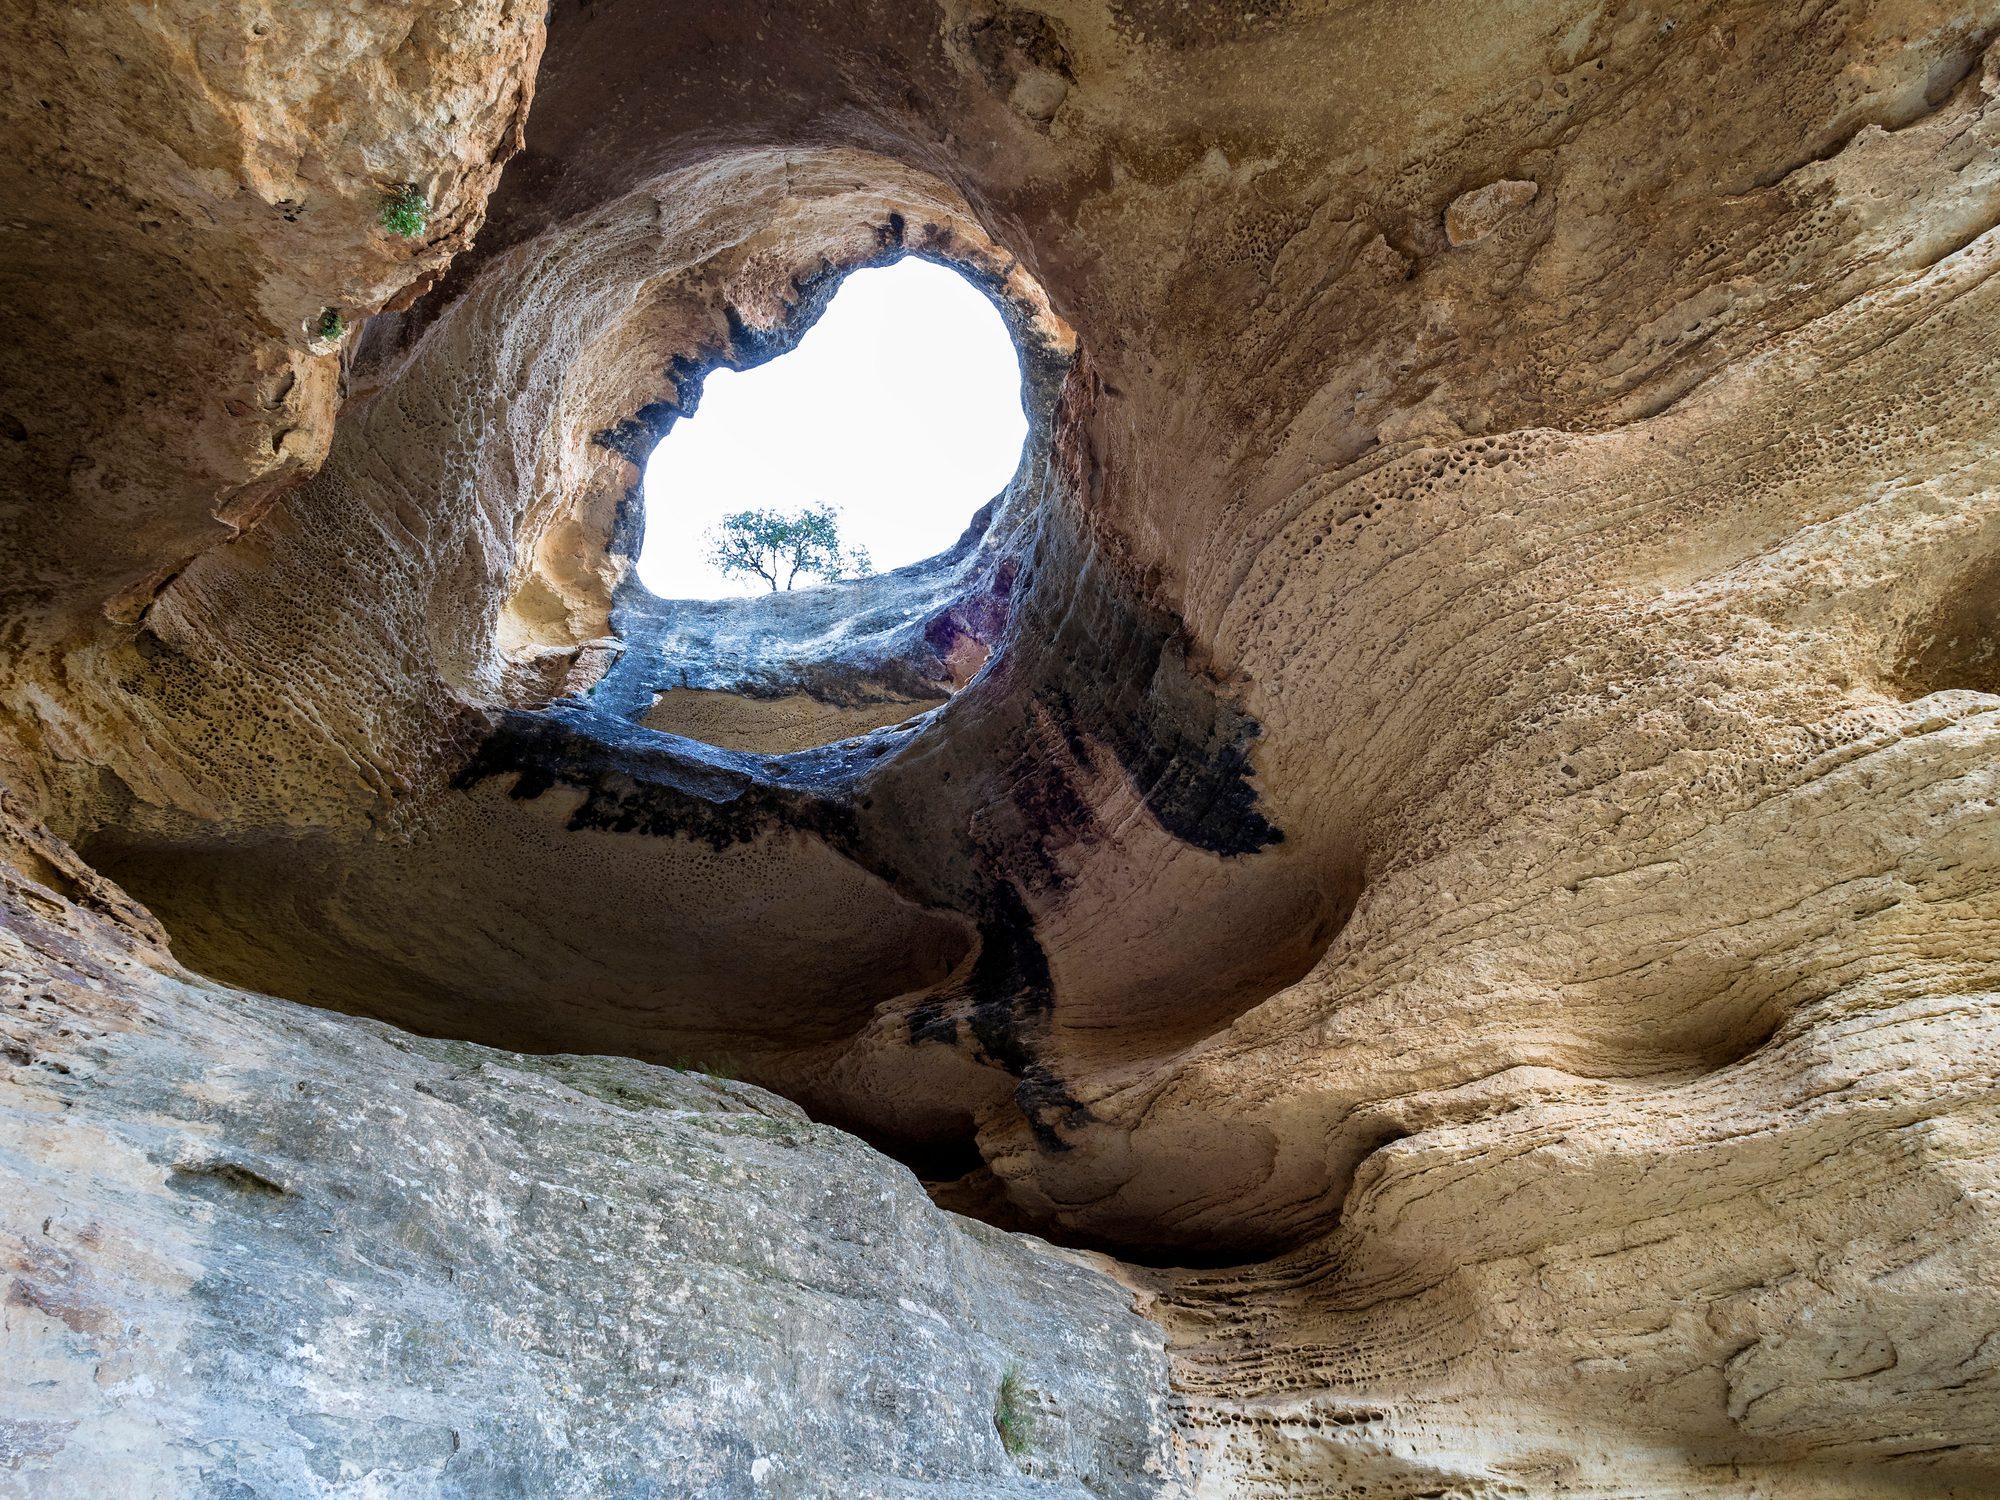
{"x":913,"y":848}
{"x":1463,"y":767}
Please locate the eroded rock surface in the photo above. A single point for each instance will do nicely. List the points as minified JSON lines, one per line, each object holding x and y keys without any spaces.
{"x":255,"y":1249}
{"x":1460,"y":800}
{"x":195,"y":195}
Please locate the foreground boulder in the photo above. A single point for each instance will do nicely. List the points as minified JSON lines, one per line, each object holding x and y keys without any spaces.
{"x":1449,"y":818}
{"x":252,"y":1249}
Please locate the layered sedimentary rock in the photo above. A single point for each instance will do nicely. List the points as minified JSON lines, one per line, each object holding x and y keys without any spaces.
{"x":1454,"y":794}
{"x":194,"y":221}
{"x":254,"y":1249}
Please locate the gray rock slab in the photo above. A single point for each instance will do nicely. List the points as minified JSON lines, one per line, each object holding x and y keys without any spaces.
{"x":257,"y":1250}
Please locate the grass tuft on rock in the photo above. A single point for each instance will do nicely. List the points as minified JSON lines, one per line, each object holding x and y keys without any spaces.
{"x":405,"y":212}
{"x":1010,"y":1415}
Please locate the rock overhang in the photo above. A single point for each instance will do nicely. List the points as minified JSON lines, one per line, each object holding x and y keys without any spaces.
{"x":1592,"y":598}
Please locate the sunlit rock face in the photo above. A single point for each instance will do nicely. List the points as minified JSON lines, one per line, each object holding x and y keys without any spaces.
{"x":1455,"y":794}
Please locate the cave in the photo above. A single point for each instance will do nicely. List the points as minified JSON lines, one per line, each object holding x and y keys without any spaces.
{"x":1410,"y":906}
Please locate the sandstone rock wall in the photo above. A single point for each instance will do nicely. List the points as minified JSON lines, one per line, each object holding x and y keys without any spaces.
{"x":194,"y":189}
{"x":1471,"y":831}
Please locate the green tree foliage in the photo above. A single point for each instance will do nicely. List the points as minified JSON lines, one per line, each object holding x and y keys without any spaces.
{"x":780,"y":548}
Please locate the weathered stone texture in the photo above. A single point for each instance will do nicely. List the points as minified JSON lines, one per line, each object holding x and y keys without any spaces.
{"x":191,"y":188}
{"x":1462,"y":809}
{"x":251,"y":1249}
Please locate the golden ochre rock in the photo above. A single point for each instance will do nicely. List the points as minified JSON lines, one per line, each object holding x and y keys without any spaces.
{"x":1448,"y":820}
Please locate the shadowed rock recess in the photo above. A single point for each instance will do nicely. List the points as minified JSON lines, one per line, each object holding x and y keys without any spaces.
{"x":1430,"y":868}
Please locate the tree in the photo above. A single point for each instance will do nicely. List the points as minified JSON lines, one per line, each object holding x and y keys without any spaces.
{"x":774,"y":545}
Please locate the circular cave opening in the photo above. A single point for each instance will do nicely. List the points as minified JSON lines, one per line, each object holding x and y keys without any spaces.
{"x":825,"y":539}
{"x":897,"y":415}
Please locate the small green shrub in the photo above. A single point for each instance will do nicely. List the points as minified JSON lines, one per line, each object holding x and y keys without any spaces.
{"x":1010,"y":1415}
{"x":405,"y":212}
{"x":331,"y":324}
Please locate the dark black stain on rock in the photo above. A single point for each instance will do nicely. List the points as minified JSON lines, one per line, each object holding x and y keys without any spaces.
{"x":1009,"y":983}
{"x":932,"y":1021}
{"x":1008,"y":998}
{"x":1047,"y":810}
{"x":749,"y":347}
{"x":641,"y":783}
{"x":628,"y":524}
{"x":635,"y":438}
{"x":1186,"y":748}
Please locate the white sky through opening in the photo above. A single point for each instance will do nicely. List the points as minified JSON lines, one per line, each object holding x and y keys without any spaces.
{"x":901,"y":407}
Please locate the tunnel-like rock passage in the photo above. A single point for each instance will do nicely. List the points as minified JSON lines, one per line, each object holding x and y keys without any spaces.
{"x":1446,"y":819}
